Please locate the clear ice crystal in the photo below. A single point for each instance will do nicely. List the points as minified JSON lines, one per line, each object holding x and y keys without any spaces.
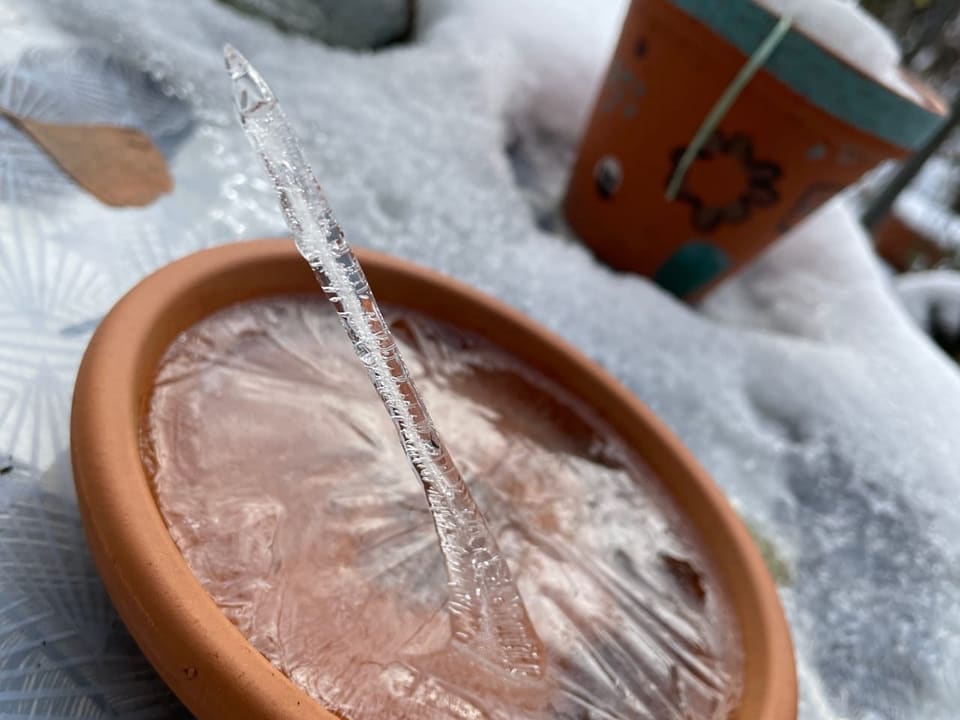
{"x":487,"y":613}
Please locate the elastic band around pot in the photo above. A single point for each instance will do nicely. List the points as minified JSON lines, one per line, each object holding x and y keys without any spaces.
{"x":726,"y":101}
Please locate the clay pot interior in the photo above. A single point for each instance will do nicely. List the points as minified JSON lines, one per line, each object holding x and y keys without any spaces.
{"x":192,"y":644}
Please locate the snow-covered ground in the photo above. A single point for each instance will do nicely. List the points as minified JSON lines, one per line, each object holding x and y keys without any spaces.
{"x":803,"y":385}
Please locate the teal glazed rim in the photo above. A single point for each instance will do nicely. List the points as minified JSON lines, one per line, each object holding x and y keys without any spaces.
{"x":801,"y":63}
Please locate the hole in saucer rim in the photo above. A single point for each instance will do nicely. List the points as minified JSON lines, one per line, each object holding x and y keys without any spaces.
{"x":173,"y":619}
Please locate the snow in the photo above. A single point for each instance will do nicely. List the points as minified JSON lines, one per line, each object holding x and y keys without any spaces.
{"x":803,"y":385}
{"x":850,"y":32}
{"x":932,"y":295}
{"x":926,"y":204}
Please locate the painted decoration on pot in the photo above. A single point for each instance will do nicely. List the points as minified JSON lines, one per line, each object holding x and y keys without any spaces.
{"x":805,"y":126}
{"x":727,"y":182}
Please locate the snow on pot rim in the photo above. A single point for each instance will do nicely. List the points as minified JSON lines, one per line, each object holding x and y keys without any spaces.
{"x":868,"y":102}
{"x":195,"y":648}
{"x":850,"y":32}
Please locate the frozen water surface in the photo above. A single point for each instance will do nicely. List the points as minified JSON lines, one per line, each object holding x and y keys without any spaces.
{"x":336,"y":573}
{"x":803,"y":386}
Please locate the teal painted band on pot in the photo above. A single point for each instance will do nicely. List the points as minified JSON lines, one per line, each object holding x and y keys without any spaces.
{"x":816,"y":74}
{"x":692,"y":267}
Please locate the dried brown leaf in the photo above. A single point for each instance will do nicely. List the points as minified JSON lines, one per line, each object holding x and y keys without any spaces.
{"x":119,"y":166}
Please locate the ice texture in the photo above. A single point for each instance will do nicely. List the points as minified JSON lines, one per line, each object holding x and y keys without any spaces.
{"x":852,"y":33}
{"x":486,"y":610}
{"x":306,"y":527}
{"x":805,"y":389}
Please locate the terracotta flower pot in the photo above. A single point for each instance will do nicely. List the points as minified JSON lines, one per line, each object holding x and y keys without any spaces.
{"x":805,"y":127}
{"x":195,"y":648}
